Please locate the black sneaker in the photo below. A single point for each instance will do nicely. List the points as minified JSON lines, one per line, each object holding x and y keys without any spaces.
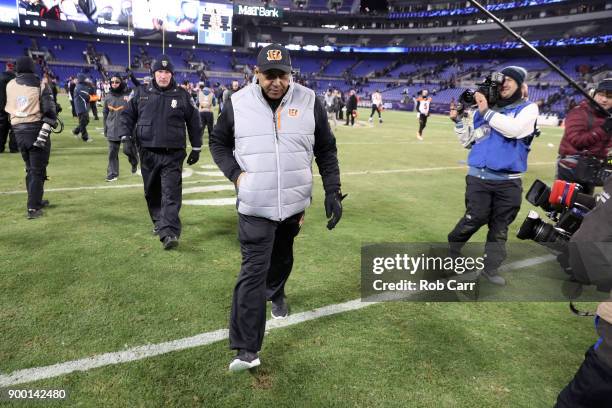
{"x":493,"y":277}
{"x":244,"y":360}
{"x":134,"y":169}
{"x":170,"y":242}
{"x":32,"y":214}
{"x":280,"y":309}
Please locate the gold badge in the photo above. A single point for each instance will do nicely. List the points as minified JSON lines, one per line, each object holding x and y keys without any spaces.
{"x":292,"y":112}
{"x":274,"y":55}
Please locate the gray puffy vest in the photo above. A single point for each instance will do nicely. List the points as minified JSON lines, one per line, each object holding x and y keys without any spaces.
{"x":275,"y":150}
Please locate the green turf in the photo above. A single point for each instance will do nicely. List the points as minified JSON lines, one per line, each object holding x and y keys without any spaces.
{"x":89,"y":278}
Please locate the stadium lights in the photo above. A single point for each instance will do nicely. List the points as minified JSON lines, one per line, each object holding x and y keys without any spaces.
{"x":169,"y":45}
{"x":293,"y":47}
{"x":12,"y":31}
{"x":121,"y":41}
{"x":193,"y":46}
{"x":71,"y":37}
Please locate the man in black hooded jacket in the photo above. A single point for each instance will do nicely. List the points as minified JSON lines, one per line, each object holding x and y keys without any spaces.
{"x":32,"y":112}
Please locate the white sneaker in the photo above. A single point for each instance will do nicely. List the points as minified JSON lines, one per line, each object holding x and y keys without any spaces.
{"x":111,"y":179}
{"x":370,"y":120}
{"x":245,"y":360}
{"x":89,"y":140}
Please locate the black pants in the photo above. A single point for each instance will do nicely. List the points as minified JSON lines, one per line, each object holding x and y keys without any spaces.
{"x":422,"y":123}
{"x":591,"y":387}
{"x":113,"y":159}
{"x":6,"y":131}
{"x":340,"y":113}
{"x":208,"y":120}
{"x":94,"y":109}
{"x":267,"y":259}
{"x":36,"y":161}
{"x":74,"y":115}
{"x":374,"y":110}
{"x":493,"y":203}
{"x":350,"y":117}
{"x":82,"y":128}
{"x":162,"y":177}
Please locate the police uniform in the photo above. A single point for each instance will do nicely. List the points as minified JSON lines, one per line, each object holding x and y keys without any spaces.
{"x":206,"y":102}
{"x":5,"y":123}
{"x":158,"y":116}
{"x":32,"y":113}
{"x":272,"y":143}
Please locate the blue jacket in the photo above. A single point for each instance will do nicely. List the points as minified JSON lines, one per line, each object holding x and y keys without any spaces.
{"x":81,"y":98}
{"x":499,"y":153}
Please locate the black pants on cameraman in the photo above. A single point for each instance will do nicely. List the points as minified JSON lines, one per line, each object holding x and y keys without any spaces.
{"x":208,"y":120}
{"x":162,"y":177}
{"x":494,"y":203}
{"x":267,"y":260}
{"x":591,"y":387}
{"x":36,"y":161}
{"x":6,"y":131}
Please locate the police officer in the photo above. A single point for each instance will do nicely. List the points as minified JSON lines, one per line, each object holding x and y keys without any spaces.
{"x":32,"y":113}
{"x":206,"y":103}
{"x":499,"y":140}
{"x":264,"y":142}
{"x":5,"y":123}
{"x":587,"y":136}
{"x":81,"y":96}
{"x":158,"y":112}
{"x":114,"y":103}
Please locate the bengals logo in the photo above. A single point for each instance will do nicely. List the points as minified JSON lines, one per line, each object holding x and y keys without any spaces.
{"x":274,"y":55}
{"x":292,"y":112}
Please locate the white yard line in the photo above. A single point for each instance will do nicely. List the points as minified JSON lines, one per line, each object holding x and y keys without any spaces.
{"x":214,"y":174}
{"x":202,"y":339}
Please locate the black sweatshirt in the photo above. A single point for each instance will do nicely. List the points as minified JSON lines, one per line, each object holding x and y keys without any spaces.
{"x":222,"y":143}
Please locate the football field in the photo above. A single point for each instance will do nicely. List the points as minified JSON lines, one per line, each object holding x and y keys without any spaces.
{"x":89,"y":278}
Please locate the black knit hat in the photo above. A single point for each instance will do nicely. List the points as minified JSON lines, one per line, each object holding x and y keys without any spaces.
{"x":24,"y":65}
{"x":604,"y":86}
{"x":162,"y":62}
{"x":519,"y":74}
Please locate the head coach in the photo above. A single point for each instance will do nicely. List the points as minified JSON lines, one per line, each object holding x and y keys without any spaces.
{"x":264,"y":142}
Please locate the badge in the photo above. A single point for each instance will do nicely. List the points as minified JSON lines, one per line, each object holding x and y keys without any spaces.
{"x":292,"y":113}
{"x":174,"y":103}
{"x":22,"y":102}
{"x":164,"y":63}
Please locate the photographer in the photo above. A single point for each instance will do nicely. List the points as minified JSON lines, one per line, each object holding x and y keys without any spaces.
{"x":587,"y":137}
{"x":499,"y":140}
{"x":590,"y":254}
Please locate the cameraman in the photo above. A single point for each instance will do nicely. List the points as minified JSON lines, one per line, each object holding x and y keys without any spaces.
{"x":499,"y":140}
{"x":588,"y":134}
{"x":591,"y":263}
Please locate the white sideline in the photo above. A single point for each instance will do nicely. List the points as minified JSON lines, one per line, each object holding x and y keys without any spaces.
{"x":350,"y":173}
{"x":202,"y":339}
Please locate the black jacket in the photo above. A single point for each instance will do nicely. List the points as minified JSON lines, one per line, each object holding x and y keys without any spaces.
{"x":222,"y":143}
{"x":5,"y":77}
{"x":351,"y":104}
{"x":159,"y":117}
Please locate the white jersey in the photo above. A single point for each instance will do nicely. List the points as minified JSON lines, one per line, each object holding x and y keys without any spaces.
{"x":376,"y":99}
{"x":424,"y":105}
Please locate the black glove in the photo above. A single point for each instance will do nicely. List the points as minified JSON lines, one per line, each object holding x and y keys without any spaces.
{"x":607,"y":125}
{"x":333,"y":208}
{"x":193,"y":158}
